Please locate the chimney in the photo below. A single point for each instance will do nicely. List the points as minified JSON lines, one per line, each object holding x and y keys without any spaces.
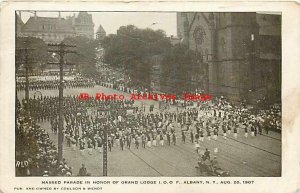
{"x":59,"y":15}
{"x":35,"y":15}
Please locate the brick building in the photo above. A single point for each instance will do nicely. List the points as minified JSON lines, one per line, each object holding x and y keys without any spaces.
{"x":239,"y":52}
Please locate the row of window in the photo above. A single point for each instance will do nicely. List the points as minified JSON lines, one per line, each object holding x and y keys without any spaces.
{"x":47,"y":27}
{"x":53,"y":36}
{"x":85,"y":28}
{"x":85,"y":20}
{"x":53,"y":27}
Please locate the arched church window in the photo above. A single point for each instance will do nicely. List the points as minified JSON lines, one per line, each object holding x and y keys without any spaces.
{"x":199,"y":35}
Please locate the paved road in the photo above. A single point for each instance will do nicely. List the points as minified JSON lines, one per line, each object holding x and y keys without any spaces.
{"x":252,"y":156}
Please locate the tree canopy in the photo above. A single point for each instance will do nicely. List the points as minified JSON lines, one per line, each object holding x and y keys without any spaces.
{"x":85,"y":57}
{"x":135,"y":50}
{"x":177,"y":69}
{"x":37,"y":52}
{"x":132,"y":48}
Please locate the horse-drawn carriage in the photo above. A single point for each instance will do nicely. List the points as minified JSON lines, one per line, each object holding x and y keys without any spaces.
{"x":207,"y":167}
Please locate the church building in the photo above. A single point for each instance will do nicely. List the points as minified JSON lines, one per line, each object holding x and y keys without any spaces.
{"x":240,"y":53}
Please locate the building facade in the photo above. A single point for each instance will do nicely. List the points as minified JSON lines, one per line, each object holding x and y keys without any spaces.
{"x":240,"y":52}
{"x":56,"y":29}
{"x":83,"y":24}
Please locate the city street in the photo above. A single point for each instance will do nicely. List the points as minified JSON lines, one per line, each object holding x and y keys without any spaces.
{"x":252,"y":156}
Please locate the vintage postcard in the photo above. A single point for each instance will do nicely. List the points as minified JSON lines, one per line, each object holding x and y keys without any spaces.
{"x":150,"y":96}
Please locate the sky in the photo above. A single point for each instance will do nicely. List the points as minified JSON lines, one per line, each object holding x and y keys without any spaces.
{"x":111,"y":21}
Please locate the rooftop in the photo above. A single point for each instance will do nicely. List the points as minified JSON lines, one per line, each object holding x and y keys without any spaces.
{"x":54,"y":24}
{"x":100,"y":29}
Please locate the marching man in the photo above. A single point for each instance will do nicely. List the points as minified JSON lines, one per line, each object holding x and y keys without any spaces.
{"x":235,"y":132}
{"x":161,"y":138}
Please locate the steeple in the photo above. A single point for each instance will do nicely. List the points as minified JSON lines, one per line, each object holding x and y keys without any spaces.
{"x":100,"y":34}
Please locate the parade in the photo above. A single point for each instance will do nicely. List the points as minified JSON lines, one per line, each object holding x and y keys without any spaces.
{"x":143,"y":106}
{"x":131,"y":126}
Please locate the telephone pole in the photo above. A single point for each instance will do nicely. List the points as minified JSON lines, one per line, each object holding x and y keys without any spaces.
{"x":61,"y":50}
{"x":105,"y":151}
{"x":25,"y":61}
{"x":105,"y":128}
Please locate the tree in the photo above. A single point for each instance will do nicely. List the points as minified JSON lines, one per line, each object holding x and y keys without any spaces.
{"x":37,"y":52}
{"x":85,"y":58}
{"x":132,"y":49}
{"x":177,"y":67}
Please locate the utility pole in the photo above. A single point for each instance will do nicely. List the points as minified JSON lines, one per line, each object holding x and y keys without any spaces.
{"x":61,"y":51}
{"x":105,"y":150}
{"x":105,"y":127}
{"x":253,"y":60}
{"x":26,"y":50}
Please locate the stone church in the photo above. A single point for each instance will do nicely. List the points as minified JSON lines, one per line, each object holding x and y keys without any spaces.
{"x":55,"y":29}
{"x":239,"y":53}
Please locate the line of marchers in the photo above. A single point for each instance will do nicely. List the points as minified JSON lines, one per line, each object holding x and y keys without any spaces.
{"x":147,"y":96}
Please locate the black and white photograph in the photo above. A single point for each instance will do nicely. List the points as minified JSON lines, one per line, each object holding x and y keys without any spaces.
{"x":148,"y":94}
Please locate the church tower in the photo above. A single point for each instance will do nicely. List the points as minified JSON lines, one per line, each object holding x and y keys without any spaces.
{"x":84,"y":24}
{"x":100,"y":34}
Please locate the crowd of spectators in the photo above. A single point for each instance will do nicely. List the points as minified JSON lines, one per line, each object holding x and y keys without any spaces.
{"x":36,"y":150}
{"x":54,"y":84}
